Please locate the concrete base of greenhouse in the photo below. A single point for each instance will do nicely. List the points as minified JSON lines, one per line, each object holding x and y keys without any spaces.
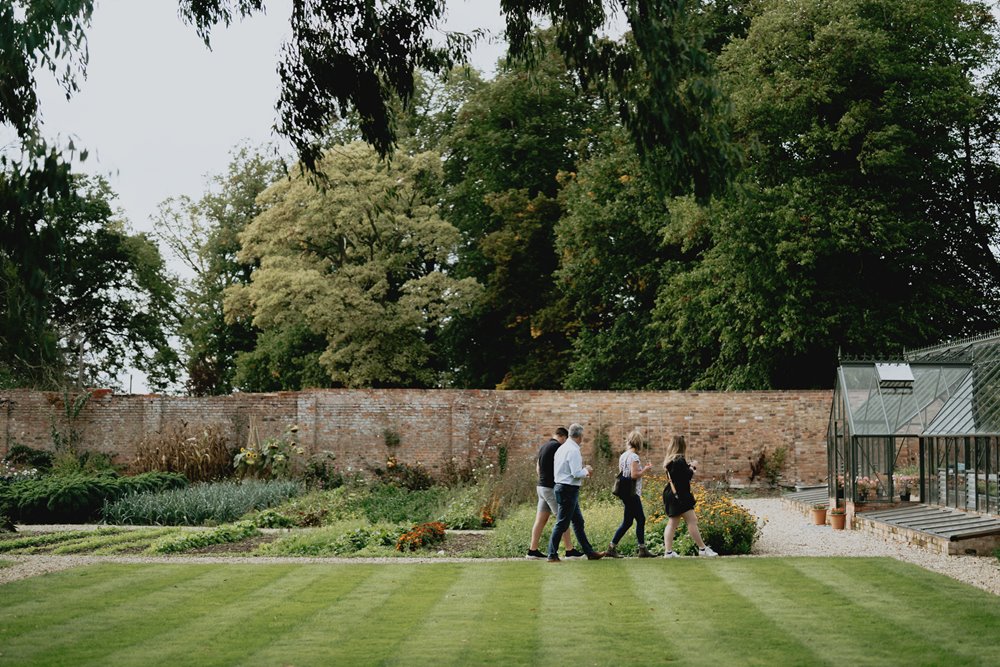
{"x":856,"y":520}
{"x":972,"y":546}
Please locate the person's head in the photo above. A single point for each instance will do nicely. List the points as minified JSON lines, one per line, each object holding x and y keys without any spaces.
{"x":634,"y":440}
{"x":675,"y":450}
{"x":560,"y":434}
{"x":576,"y":432}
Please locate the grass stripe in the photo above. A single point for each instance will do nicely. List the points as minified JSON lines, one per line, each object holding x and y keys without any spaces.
{"x":687,"y":612}
{"x":903,"y":605}
{"x":352,"y":613}
{"x":155,"y":599}
{"x":694,"y":608}
{"x":465,"y":600}
{"x":814,"y":608}
{"x":506,"y":631}
{"x":270,"y":607}
{"x":77,"y":591}
{"x":588,"y":604}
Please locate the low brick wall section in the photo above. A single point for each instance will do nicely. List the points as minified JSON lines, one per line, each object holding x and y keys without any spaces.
{"x":724,"y":430}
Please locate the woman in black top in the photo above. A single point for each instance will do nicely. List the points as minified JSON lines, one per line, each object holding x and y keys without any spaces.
{"x":678,"y":501}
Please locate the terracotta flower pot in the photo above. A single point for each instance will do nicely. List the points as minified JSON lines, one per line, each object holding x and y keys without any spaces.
{"x":818,"y":515}
{"x":838,"y":521}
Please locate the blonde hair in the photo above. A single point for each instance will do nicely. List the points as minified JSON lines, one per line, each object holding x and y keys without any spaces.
{"x":675,"y":450}
{"x":634,"y":439}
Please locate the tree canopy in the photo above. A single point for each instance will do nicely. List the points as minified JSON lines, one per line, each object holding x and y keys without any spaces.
{"x":360,"y":265}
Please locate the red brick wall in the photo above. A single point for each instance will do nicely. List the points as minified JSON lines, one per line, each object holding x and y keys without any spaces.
{"x":723,"y":429}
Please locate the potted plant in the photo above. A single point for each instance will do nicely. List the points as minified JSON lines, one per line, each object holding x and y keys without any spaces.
{"x":818,"y":514}
{"x":905,"y":484}
{"x":866,"y":488}
{"x":838,"y":518}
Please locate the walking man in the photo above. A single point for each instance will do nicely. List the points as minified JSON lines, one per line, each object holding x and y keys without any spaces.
{"x":569,"y":473}
{"x":546,"y":496}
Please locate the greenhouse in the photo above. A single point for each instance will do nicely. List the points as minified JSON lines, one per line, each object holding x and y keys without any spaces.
{"x":925,"y":427}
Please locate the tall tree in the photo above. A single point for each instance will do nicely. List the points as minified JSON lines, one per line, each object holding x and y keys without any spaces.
{"x":361,"y":266}
{"x":867,"y":216}
{"x":612,"y":261}
{"x":509,"y":143}
{"x":204,"y":234}
{"x":91,"y":297}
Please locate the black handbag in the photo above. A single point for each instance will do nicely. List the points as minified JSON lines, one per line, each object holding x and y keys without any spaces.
{"x":624,"y":487}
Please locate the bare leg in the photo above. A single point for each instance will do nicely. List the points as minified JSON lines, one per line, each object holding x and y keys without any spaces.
{"x":536,"y":532}
{"x":669,"y":531}
{"x":541,"y":519}
{"x":692,"y":522}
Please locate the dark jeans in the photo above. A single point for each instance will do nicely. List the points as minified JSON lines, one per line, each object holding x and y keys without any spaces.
{"x":633,"y":512}
{"x":568,"y":504}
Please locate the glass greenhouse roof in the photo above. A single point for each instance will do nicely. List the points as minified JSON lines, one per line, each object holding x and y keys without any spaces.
{"x":874,"y":409}
{"x":955,"y":391}
{"x":974,"y":409}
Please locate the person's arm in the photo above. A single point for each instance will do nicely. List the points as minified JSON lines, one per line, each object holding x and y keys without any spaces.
{"x":576,"y":467}
{"x":636,"y":471}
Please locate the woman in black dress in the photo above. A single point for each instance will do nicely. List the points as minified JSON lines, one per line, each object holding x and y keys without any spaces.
{"x":678,"y":501}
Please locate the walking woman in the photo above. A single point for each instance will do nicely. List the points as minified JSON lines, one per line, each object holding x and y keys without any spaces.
{"x":678,"y":501}
{"x":629,"y":466}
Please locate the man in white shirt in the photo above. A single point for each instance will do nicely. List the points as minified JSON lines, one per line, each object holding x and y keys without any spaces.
{"x":569,"y":475}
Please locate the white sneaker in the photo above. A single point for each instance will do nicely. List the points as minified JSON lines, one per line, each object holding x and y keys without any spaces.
{"x":671,"y":554}
{"x":707,"y":552}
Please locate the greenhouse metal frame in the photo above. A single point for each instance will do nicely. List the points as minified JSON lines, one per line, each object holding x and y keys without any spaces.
{"x":933,"y":416}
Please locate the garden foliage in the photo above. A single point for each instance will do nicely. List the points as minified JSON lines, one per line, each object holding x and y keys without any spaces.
{"x":76,"y":498}
{"x":339,"y":539}
{"x":199,"y":504}
{"x":199,"y":453}
{"x":188,"y":540}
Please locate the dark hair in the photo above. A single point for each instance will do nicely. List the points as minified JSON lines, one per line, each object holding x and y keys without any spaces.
{"x":562,"y":432}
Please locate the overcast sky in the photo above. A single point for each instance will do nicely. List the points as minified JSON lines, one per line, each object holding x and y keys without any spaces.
{"x":158,"y":111}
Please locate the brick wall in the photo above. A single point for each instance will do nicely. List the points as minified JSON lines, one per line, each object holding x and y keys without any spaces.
{"x":723,"y":429}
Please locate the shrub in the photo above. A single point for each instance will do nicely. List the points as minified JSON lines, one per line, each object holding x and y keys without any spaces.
{"x":313,"y":509}
{"x":22,"y":456}
{"x":773,"y":465}
{"x":199,"y":453}
{"x":188,"y":540}
{"x":321,"y":472}
{"x":199,"y":504}
{"x":71,"y":461}
{"x":392,"y":504}
{"x":421,"y":535}
{"x":13,"y":472}
{"x":406,"y":476}
{"x":463,"y":510}
{"x":725,"y":526}
{"x":272,"y":459}
{"x":340,"y":539}
{"x":76,"y":498}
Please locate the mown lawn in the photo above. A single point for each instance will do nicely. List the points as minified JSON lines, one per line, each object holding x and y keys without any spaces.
{"x":735,"y":611}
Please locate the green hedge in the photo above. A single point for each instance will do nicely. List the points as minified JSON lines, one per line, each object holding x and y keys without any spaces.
{"x":76,"y":498}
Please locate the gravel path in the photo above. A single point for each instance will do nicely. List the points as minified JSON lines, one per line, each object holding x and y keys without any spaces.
{"x":787,"y":533}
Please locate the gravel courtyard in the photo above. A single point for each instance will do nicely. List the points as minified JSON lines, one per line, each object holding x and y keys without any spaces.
{"x":787,"y":533}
